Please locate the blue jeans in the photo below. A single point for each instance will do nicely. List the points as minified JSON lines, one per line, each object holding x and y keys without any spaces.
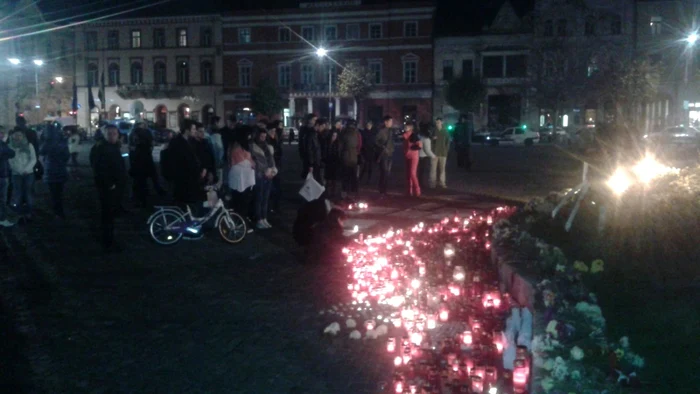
{"x":4,"y":183}
{"x":23,"y":192}
{"x":262,"y":196}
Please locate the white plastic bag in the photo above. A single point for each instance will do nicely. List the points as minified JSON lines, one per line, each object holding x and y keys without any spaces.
{"x":311,"y":189}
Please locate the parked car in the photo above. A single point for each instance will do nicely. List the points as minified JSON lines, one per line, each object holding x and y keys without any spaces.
{"x":480,"y":135}
{"x":677,"y":143}
{"x":515,"y":136}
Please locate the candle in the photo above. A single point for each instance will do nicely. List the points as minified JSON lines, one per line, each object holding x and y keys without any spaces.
{"x":431,"y":322}
{"x":477,"y":384}
{"x":444,"y":314}
{"x":396,"y":321}
{"x":459,"y":273}
{"x":391,"y":345}
{"x":399,"y":387}
{"x":416,"y":338}
{"x":369,"y":325}
{"x":491,"y":375}
{"x":398,"y":361}
{"x":520,"y":376}
{"x":467,"y":337}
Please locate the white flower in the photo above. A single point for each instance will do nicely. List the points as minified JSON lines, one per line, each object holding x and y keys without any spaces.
{"x":355,"y":335}
{"x":382,"y":330}
{"x":592,"y":313}
{"x":625,"y":342}
{"x":371,"y":334}
{"x":576,"y":353}
{"x":560,"y":267}
{"x":350,"y":323}
{"x":575,"y":375}
{"x":638,"y":361}
{"x":548,"y":365}
{"x":332,"y":329}
{"x":560,"y":371}
{"x":547,"y":384}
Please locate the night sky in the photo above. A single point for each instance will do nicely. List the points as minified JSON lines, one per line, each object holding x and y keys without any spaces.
{"x":453,"y":17}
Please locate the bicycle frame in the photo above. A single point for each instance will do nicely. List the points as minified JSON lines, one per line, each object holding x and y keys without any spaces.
{"x":188,"y":218}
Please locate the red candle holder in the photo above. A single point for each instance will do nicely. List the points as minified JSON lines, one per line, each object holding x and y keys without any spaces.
{"x":521,"y":373}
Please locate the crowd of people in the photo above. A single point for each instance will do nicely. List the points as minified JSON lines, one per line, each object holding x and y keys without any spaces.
{"x":242,"y":161}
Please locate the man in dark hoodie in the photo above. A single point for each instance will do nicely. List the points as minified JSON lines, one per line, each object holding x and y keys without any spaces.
{"x":6,"y":153}
{"x":110,"y":178}
{"x":189,"y":181}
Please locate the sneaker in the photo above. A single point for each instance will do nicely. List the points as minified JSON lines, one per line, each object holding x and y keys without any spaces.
{"x":267,"y":223}
{"x":260,"y":225}
{"x":6,"y":223}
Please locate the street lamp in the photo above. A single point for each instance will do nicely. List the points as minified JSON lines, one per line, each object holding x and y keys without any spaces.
{"x":59,"y":79}
{"x":38,"y":62}
{"x":14,"y":61}
{"x":692,"y":38}
{"x":321,"y":53}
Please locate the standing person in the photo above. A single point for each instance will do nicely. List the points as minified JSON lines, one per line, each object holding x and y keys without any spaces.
{"x":110,"y":179}
{"x":142,"y":166}
{"x":367,"y":151}
{"x":441,"y":149}
{"x":312,"y":151}
{"x":308,"y":128}
{"x":241,"y":179}
{"x":291,"y":135}
{"x":463,"y":143}
{"x":274,"y":139}
{"x":6,"y":153}
{"x":411,"y":147}
{"x":56,"y":155}
{"x":350,"y":148}
{"x":384,"y":145}
{"x":205,"y":152}
{"x":332,"y":166}
{"x":264,"y":172}
{"x":34,"y":140}
{"x":189,"y":173}
{"x":227,"y":135}
{"x":73,"y":146}
{"x":22,"y":166}
{"x":217,"y":144}
{"x":426,"y":156}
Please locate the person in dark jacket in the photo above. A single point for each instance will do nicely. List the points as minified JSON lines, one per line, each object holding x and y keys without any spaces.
{"x":384,"y":146}
{"x":142,"y":165}
{"x":463,"y":143}
{"x":274,"y":139}
{"x":312,"y":151}
{"x":309,"y":215}
{"x":110,"y":179}
{"x":332,"y":167}
{"x":6,"y":153}
{"x":189,"y":182}
{"x":56,"y":156}
{"x":205,"y":153}
{"x":367,"y":151}
{"x":328,"y":239}
{"x":228,"y":135}
{"x":308,"y":128}
{"x":350,"y":149}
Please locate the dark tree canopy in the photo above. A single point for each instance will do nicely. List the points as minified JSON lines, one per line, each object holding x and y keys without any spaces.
{"x":465,"y":94}
{"x":266,"y":99}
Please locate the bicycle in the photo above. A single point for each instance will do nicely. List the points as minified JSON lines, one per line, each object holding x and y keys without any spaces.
{"x":169,"y":224}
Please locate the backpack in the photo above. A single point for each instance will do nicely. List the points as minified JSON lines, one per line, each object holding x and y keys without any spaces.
{"x":168,"y":166}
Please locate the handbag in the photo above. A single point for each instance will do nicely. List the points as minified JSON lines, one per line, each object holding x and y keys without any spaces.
{"x":311,"y":190}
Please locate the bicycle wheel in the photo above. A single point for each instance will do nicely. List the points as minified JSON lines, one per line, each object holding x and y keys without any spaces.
{"x":158,"y":228}
{"x":232,"y":227}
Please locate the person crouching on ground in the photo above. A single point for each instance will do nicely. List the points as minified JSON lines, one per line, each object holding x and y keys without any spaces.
{"x":328,"y":239}
{"x":411,"y":147}
{"x":310,"y":214}
{"x":264,"y":172}
{"x":241,"y":179}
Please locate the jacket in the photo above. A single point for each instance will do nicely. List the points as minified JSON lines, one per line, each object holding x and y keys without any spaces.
{"x":368,"y":136}
{"x":463,"y":134}
{"x":108,"y":166}
{"x":427,"y":150}
{"x":263,"y":157}
{"x":25,"y":156}
{"x":217,"y":144}
{"x":141,"y":157}
{"x":56,"y":155}
{"x":276,"y":144}
{"x":350,"y":142}
{"x":205,"y":153}
{"x":384,"y":144}
{"x":187,"y":184}
{"x":312,"y":149}
{"x":6,"y":153}
{"x":411,"y":145}
{"x":442,"y":143}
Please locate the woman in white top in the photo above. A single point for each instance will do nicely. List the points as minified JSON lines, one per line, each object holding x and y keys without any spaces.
{"x":241,"y":179}
{"x":425,"y":156}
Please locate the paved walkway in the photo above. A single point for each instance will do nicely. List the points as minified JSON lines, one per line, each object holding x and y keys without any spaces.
{"x":197,"y":317}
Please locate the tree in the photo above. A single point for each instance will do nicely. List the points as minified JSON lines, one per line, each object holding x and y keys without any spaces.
{"x":465,"y":94}
{"x":266,"y":99}
{"x":355,"y":81}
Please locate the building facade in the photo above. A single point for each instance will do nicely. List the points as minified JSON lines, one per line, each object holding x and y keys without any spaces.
{"x":163,"y":69}
{"x":499,"y":58}
{"x":394,"y":41}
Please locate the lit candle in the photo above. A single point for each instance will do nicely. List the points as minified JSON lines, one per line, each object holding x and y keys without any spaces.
{"x":444,"y":314}
{"x":391,"y":345}
{"x":459,"y":273}
{"x":477,"y":384}
{"x":369,"y":325}
{"x":398,"y":361}
{"x":431,"y":322}
{"x":416,"y":338}
{"x":399,"y":387}
{"x":520,"y":376}
{"x":449,"y":251}
{"x":467,"y":338}
{"x":394,"y":274}
{"x":396,"y":321}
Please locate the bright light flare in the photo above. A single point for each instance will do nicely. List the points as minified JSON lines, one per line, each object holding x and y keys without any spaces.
{"x":692,"y":38}
{"x":321,"y":52}
{"x":14,"y":61}
{"x":648,"y":169}
{"x":38,"y":62}
{"x":619,"y":182}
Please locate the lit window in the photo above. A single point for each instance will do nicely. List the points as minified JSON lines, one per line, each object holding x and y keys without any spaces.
{"x":375,"y":30}
{"x":244,"y":35}
{"x":410,"y":70}
{"x":182,"y":37}
{"x":655,"y":25}
{"x":410,"y":29}
{"x":136,"y":38}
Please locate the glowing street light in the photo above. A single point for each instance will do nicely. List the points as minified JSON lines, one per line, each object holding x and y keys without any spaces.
{"x":59,"y":79}
{"x":321,"y":52}
{"x":38,"y":62}
{"x":14,"y":61}
{"x":692,"y":38}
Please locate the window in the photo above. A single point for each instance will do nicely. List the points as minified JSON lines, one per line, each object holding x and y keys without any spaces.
{"x":244,"y":35}
{"x":92,"y":74}
{"x":159,"y":38}
{"x":493,"y":66}
{"x":160,"y":75}
{"x":284,"y":75}
{"x":136,"y":38}
{"x":375,"y":68}
{"x":113,"y":39}
{"x":207,"y":70}
{"x":516,"y":66}
{"x":207,"y":38}
{"x":592,"y":67}
{"x":330,"y":33}
{"x":375,"y":30}
{"x":561,"y":27}
{"x":113,"y":74}
{"x":410,"y":71}
{"x":655,"y":25}
{"x":136,"y":73}
{"x":182,"y":37}
{"x":616,"y":25}
{"x":244,"y":71}
{"x":447,"y":70}
{"x":352,"y":32}
{"x":307,"y":74}
{"x":183,"y":72}
{"x":284,"y":34}
{"x":91,"y":40}
{"x":548,"y":28}
{"x":410,"y":29}
{"x":307,"y":33}
{"x":589,"y":27}
{"x":467,"y":68}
